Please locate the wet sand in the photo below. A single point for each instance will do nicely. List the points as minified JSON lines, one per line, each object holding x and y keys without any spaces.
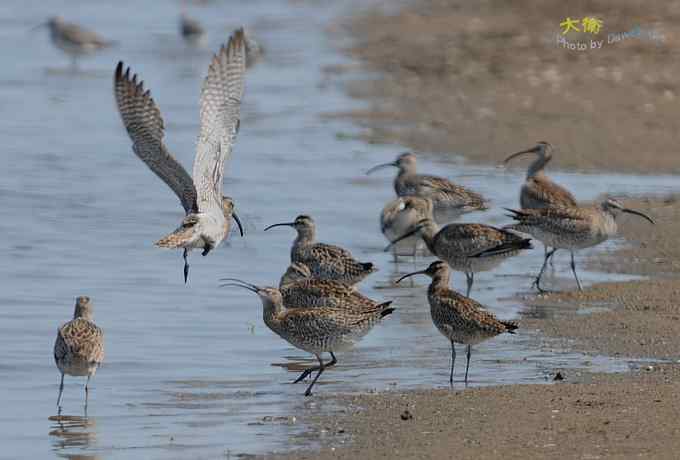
{"x":585,"y":416}
{"x":488,"y":80}
{"x":436,"y":63}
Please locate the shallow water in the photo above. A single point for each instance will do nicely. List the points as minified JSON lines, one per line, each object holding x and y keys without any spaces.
{"x":192,"y":370}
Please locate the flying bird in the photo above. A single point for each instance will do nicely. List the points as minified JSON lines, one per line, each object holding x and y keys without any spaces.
{"x":208,"y":212}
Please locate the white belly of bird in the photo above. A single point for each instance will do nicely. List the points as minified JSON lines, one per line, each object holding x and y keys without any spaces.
{"x":477,"y":264}
{"x":572,"y":241}
{"x":77,"y":367}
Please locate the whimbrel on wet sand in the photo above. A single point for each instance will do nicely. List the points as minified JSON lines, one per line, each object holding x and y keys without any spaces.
{"x":468,"y":248}
{"x":315,"y":330}
{"x":325,"y":261}
{"x":449,"y":200}
{"x":460,"y":319}
{"x":208,"y":213}
{"x":74,"y":40}
{"x":79,"y":348}
{"x":538,"y":191}
{"x":401,"y":215}
{"x":570,"y":228}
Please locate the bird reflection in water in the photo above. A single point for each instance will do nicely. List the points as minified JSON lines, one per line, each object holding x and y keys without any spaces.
{"x":72,"y":431}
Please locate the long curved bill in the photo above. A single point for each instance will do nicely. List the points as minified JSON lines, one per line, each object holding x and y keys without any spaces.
{"x":384,"y":165}
{"x":523,"y":152}
{"x":282,"y":224}
{"x":402,"y":237}
{"x":638,"y":213}
{"x":42,"y":24}
{"x":238,"y":222}
{"x":235,"y":282}
{"x":419,"y":272}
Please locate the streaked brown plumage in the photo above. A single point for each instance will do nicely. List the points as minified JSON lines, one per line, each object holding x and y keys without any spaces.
{"x":460,"y":319}
{"x":401,"y":215}
{"x":570,"y":228}
{"x":299,"y":288}
{"x":538,"y":190}
{"x":469,"y":248}
{"x":315,"y":330}
{"x":79,"y":347}
{"x":449,"y":200}
{"x":295,"y":272}
{"x":325,"y":261}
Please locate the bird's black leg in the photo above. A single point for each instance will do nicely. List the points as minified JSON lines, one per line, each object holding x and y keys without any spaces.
{"x":87,"y":393}
{"x":306,"y":372}
{"x":470,"y":279}
{"x":61,"y":390}
{"x":552,"y":262}
{"x":186,"y":265}
{"x":467,"y":366}
{"x":321,"y":369}
{"x":573,"y":269}
{"x":453,"y":362}
{"x":537,"y":281}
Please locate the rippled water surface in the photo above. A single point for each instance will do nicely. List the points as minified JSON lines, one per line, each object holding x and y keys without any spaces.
{"x":191,"y":371}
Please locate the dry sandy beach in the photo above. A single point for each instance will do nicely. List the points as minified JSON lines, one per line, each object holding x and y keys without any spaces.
{"x":486,"y":79}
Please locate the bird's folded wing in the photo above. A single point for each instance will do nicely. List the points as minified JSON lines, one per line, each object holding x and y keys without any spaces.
{"x":78,"y":34}
{"x":144,"y":124}
{"x":548,"y":192}
{"x":468,"y":239}
{"x":563,"y":220}
{"x":220,"y":111}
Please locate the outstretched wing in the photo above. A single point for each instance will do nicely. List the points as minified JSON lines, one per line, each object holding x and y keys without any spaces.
{"x":220,"y":110}
{"x":144,"y":124}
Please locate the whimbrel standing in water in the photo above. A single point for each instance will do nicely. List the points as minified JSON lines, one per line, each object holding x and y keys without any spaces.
{"x":74,"y":40}
{"x":469,"y":248}
{"x":449,"y":200}
{"x":401,"y":215}
{"x":460,"y":319}
{"x":208,"y":212}
{"x":315,"y":330}
{"x":570,"y":228}
{"x":79,"y":348}
{"x":539,"y":191}
{"x":325,"y":261}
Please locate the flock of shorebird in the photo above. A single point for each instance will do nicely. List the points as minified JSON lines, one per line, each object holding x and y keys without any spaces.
{"x":317,"y":307}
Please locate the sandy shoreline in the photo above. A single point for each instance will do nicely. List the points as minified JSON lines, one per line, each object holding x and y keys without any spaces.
{"x":437,"y":61}
{"x":485,"y":80}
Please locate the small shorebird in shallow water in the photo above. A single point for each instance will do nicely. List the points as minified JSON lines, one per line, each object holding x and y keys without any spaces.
{"x":325,"y":261}
{"x":468,"y":248}
{"x":570,"y":228}
{"x":208,"y":212}
{"x":79,"y":348}
{"x":449,"y":200}
{"x":401,"y":215}
{"x":539,"y":191}
{"x":73,"y":39}
{"x":460,"y":319}
{"x":192,"y":31}
{"x":315,"y":330}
